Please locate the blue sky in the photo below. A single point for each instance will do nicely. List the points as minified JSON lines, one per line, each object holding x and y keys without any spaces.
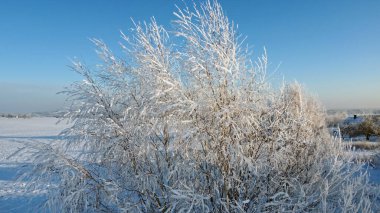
{"x":332,"y":47}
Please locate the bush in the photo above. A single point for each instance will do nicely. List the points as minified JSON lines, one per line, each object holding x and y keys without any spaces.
{"x":194,"y":126}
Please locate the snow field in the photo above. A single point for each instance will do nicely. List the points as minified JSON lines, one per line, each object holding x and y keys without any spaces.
{"x":16,"y":134}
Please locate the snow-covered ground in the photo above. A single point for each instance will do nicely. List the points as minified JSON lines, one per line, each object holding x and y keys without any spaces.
{"x":15,"y":133}
{"x":373,"y":165}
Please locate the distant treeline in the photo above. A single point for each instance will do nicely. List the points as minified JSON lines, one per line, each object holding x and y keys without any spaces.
{"x":354,"y":111}
{"x":30,"y":115}
{"x":13,"y":115}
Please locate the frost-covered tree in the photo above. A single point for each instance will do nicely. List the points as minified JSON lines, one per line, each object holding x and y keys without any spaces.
{"x":185,"y":121}
{"x":368,"y":127}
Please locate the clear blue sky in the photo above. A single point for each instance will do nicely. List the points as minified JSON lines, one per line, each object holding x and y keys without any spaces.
{"x":333,"y":47}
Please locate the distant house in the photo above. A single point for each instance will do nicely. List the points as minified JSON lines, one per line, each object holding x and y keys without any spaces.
{"x":353,"y":120}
